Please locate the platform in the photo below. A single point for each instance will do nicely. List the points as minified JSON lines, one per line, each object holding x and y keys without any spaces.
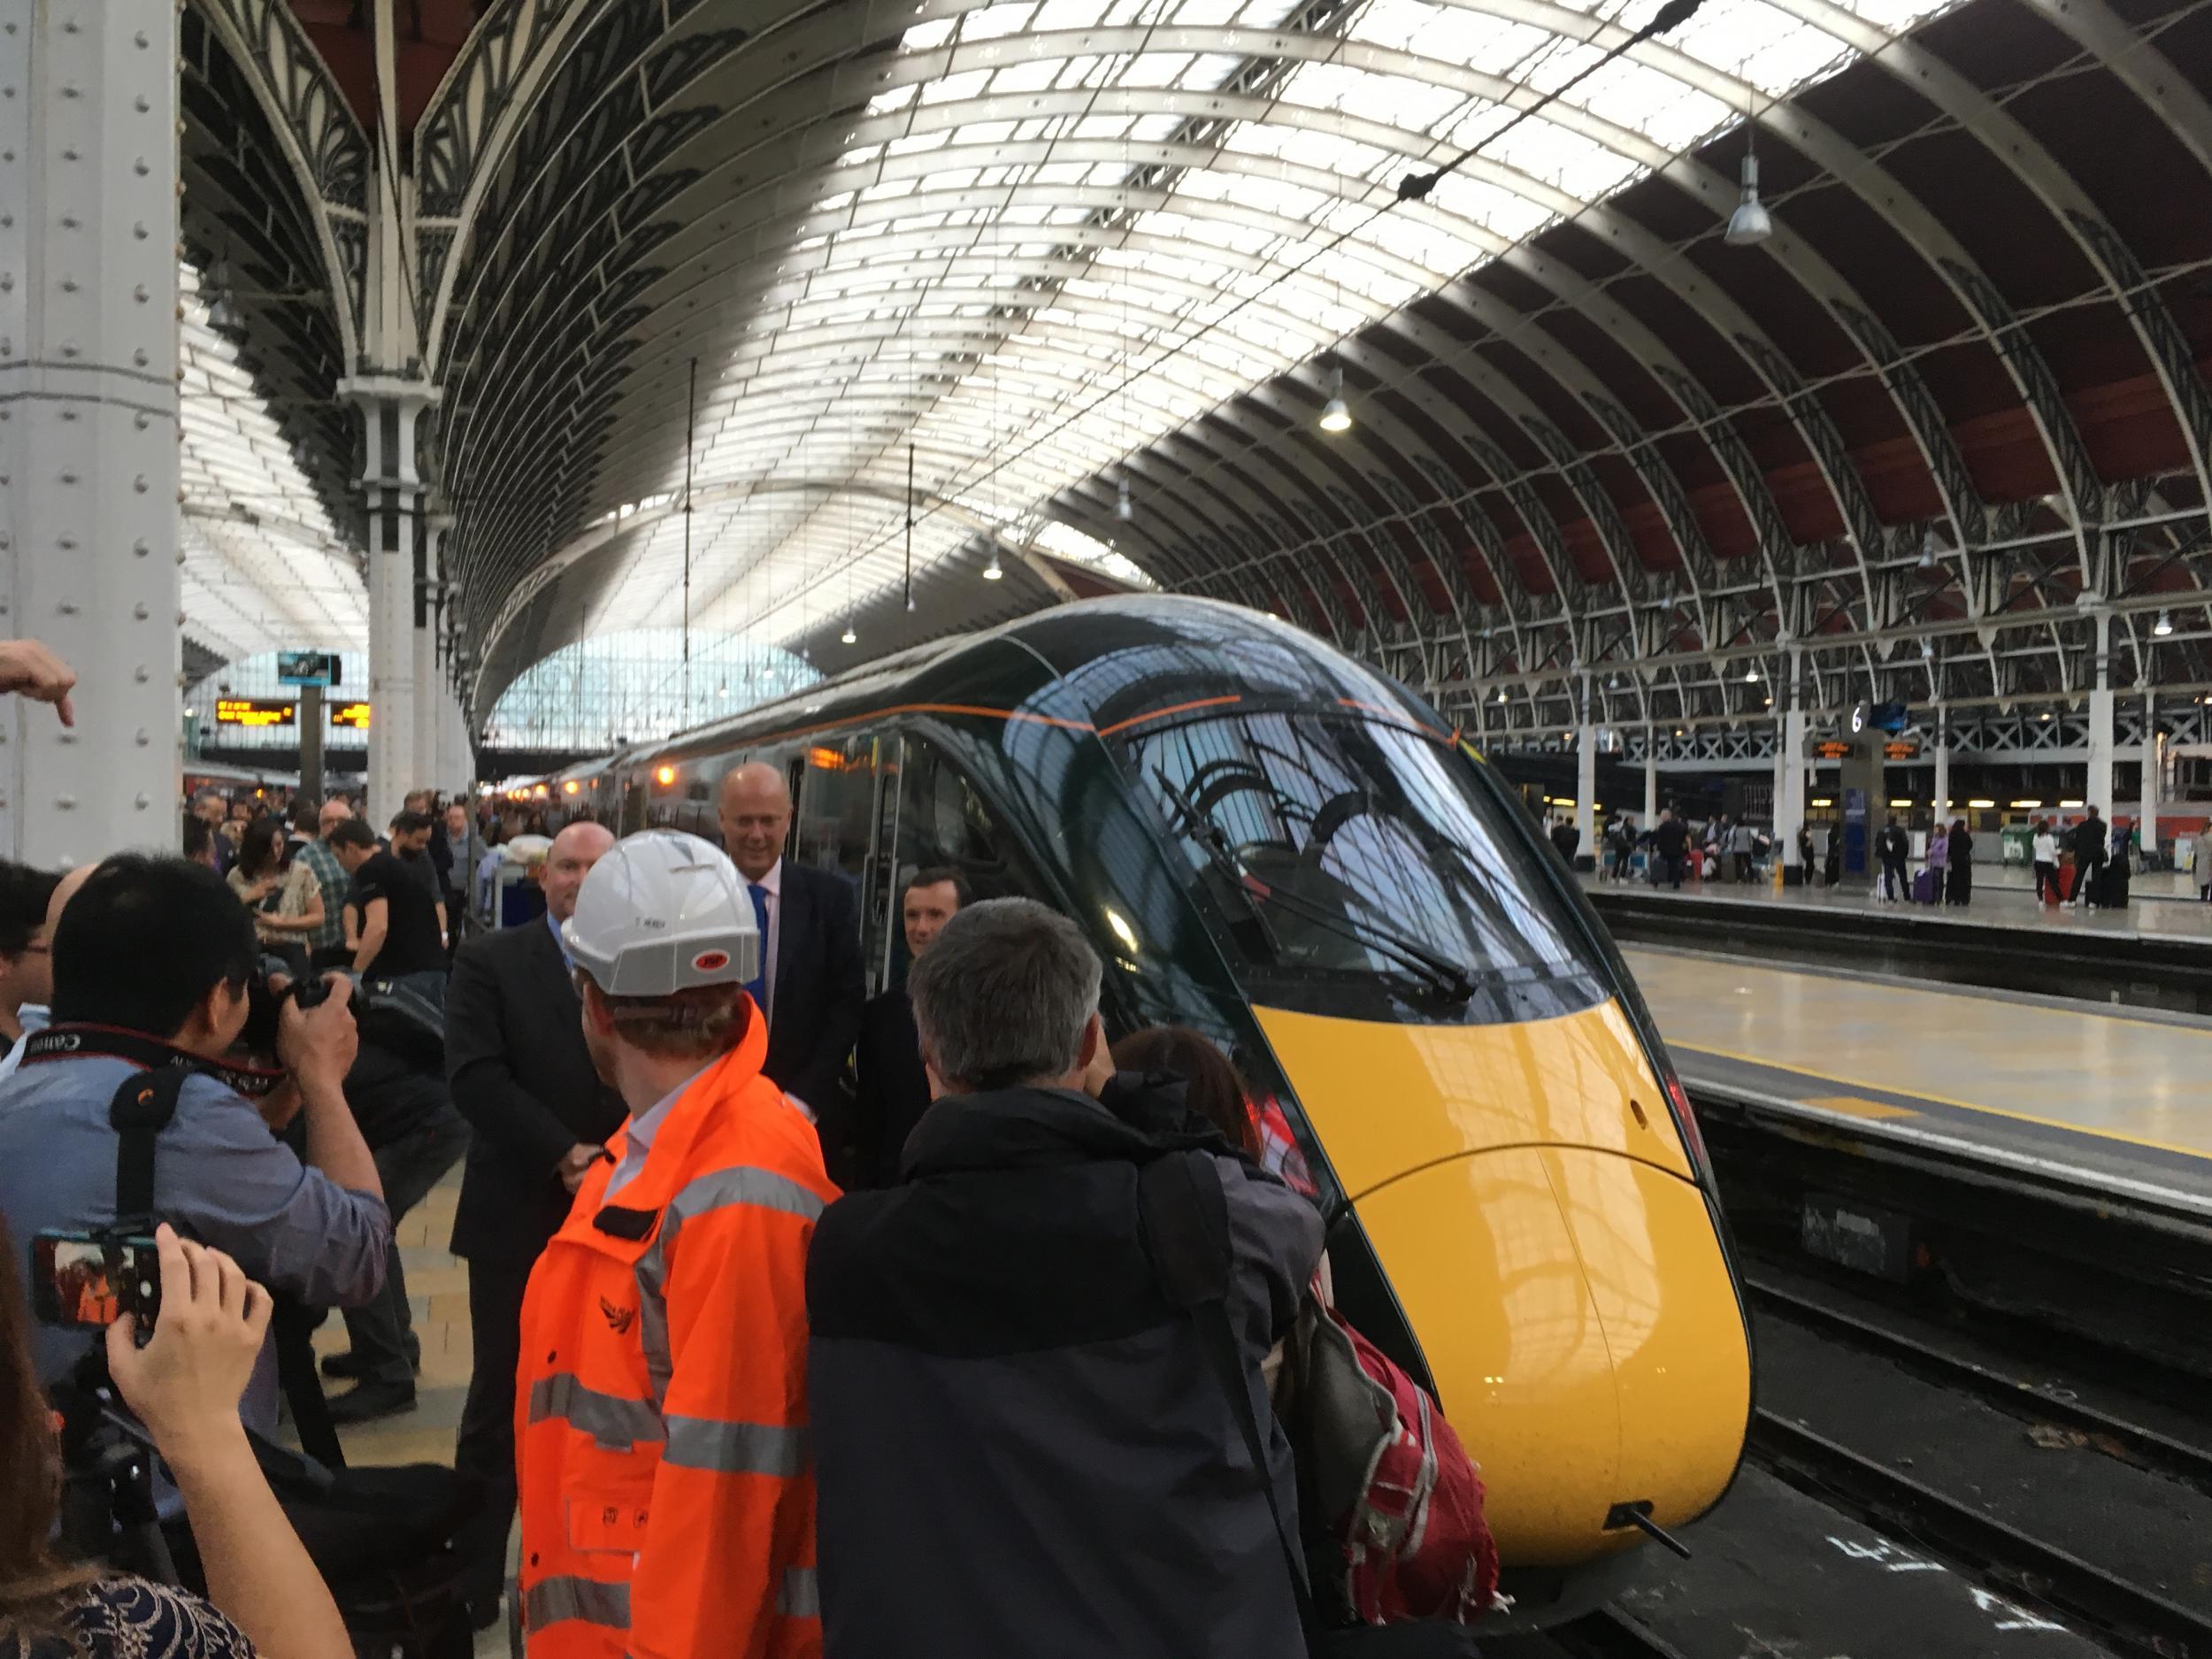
{"x":2114,"y":1102}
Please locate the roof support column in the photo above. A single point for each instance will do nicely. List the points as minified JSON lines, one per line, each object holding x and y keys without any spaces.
{"x":429,"y":683}
{"x":1941,"y":733}
{"x":89,"y":421}
{"x":1789,"y":800}
{"x":396,"y":495}
{"x":1651,"y":778}
{"x":1586,"y":783}
{"x":2099,"y":792}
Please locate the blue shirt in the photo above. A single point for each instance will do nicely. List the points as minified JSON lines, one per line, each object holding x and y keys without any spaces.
{"x":559,"y":943}
{"x":220,"y":1177}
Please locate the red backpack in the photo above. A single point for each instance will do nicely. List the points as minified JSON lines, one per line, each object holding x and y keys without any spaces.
{"x":1380,"y":1467}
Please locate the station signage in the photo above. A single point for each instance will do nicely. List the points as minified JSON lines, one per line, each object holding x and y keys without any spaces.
{"x":308,"y":668}
{"x":353,"y":715}
{"x":1832,"y":748}
{"x":1902,"y":749}
{"x":256,"y":712}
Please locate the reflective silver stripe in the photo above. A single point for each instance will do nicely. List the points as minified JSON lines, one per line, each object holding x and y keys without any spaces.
{"x":549,"y":1600}
{"x":800,"y":1594}
{"x":718,"y":1189}
{"x":609,"y":1419}
{"x":735,"y":1449}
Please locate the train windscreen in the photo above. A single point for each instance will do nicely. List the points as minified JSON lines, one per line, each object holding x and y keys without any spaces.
{"x":1334,"y":846}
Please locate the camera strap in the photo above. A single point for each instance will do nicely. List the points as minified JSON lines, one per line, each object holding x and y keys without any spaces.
{"x":78,"y":1041}
{"x":140,"y":1111}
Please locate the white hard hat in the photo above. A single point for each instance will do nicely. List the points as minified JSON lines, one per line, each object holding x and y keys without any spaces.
{"x":660,"y":912}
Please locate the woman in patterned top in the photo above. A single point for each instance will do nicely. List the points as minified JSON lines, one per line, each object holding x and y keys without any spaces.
{"x":263,"y":1594}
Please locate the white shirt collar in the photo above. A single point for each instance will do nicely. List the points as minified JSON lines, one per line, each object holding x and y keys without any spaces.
{"x":773,"y":880}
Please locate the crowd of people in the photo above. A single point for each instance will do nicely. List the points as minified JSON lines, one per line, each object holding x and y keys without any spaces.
{"x":804,"y":1321}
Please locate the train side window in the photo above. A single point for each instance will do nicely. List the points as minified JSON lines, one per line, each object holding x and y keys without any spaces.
{"x":836,"y":804}
{"x":941,"y":821}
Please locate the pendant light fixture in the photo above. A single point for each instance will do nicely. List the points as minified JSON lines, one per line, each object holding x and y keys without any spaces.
{"x":1123,"y":510}
{"x":2164,"y":626}
{"x":848,"y":636}
{"x":1929,"y":548}
{"x":1336,"y":415}
{"x":993,"y":572}
{"x":1750,"y":224}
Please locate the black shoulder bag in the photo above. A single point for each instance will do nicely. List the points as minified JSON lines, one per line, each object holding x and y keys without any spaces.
{"x":1185,"y":1217}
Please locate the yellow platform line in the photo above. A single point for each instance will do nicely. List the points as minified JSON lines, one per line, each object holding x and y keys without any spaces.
{"x":1858,"y":1106}
{"x":2198,"y":1153}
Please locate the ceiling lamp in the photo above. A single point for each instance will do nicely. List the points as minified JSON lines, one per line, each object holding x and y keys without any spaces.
{"x":1123,"y":510}
{"x":1929,"y":548}
{"x":1336,"y":415}
{"x":993,"y":572}
{"x":1750,"y":224}
{"x":848,"y":636}
{"x":1751,"y":675}
{"x":2164,"y":626}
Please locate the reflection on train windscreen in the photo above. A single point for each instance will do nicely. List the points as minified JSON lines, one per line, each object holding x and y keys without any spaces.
{"x":1352,"y":845}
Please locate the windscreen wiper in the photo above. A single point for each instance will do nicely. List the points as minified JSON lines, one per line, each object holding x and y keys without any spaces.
{"x":1442,"y":973}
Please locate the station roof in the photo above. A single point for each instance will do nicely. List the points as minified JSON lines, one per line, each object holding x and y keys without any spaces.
{"x":1001,"y":268}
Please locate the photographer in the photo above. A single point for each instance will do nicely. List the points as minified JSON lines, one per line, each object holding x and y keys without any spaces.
{"x":152,"y":962}
{"x":184,"y":1385}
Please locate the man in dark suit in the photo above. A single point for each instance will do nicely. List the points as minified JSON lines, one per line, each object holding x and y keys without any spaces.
{"x":890,"y":1086}
{"x":811,"y":985}
{"x":519,"y":1072}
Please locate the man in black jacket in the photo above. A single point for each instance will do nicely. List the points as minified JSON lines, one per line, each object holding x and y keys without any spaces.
{"x":1671,"y":842}
{"x":1020,"y":1444}
{"x":811,"y":986}
{"x":2092,"y":848}
{"x":521,"y":1075}
{"x":890,"y":1086}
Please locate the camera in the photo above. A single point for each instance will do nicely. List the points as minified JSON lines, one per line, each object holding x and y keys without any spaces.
{"x":87,"y":1280}
{"x":265,"y":1004}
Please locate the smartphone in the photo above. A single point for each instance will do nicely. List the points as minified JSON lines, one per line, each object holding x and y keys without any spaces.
{"x":87,"y":1282}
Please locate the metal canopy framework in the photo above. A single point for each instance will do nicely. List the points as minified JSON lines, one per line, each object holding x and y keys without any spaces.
{"x":1044,"y":257}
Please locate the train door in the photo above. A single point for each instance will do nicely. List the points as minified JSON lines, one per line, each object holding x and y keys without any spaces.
{"x":635,"y":787}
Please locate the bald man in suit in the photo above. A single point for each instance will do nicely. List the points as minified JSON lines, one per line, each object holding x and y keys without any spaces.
{"x":811,"y":985}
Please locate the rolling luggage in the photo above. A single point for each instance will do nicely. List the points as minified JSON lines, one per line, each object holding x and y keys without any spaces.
{"x":1927,"y":887}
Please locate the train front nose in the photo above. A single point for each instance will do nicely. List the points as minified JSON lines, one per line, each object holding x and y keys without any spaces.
{"x":1524,"y":1191}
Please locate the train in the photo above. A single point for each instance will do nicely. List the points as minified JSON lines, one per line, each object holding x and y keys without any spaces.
{"x":1280,"y":846}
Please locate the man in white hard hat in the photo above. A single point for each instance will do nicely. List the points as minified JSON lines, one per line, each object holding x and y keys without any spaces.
{"x":667,"y":1495}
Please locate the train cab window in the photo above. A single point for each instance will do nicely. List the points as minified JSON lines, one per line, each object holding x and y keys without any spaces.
{"x":1338,"y":849}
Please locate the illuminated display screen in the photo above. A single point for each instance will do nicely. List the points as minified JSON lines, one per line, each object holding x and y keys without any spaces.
{"x":1904,"y":749}
{"x":256,"y":712}
{"x":352,"y":714}
{"x":1831,"y":748}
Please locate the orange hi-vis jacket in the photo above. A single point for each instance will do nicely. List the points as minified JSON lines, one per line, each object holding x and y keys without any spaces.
{"x":660,"y":1403}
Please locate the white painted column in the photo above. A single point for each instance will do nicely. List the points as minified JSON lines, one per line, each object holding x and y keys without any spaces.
{"x":2149,"y":818}
{"x":1651,"y":776}
{"x":428,"y":680}
{"x":1942,"y":734}
{"x":394,"y":497}
{"x":1586,"y":782}
{"x":89,"y":421}
{"x":1790,"y":803}
{"x":2099,"y":794}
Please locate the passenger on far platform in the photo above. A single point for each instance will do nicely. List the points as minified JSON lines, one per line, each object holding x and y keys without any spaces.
{"x":27,"y":969}
{"x":1741,"y":848}
{"x":1895,"y":849}
{"x":2118,"y":869}
{"x":1960,"y":890}
{"x":2047,"y":887}
{"x":1566,"y":838}
{"x":1620,"y":843}
{"x":1669,"y":848}
{"x":1020,"y":1443}
{"x":2091,"y":851}
{"x":811,"y":986}
{"x":1938,"y":861}
{"x":1805,"y":852}
{"x":890,"y":1085}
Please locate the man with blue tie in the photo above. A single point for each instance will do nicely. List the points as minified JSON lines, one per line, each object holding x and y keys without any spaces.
{"x":811,"y":986}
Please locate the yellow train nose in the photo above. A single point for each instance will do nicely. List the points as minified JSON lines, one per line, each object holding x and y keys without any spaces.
{"x":1525,"y":1192}
{"x":1584,"y":1338}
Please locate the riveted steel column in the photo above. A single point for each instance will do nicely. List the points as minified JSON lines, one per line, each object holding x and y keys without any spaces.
{"x":1789,"y":806}
{"x":1651,"y":778}
{"x":394,"y":493}
{"x":89,"y":420}
{"x":2099,"y":792}
{"x":427,"y":681}
{"x":1586,"y":784}
{"x":1941,"y":733}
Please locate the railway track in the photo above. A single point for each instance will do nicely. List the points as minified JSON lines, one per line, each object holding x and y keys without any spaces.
{"x":2117,"y":1609}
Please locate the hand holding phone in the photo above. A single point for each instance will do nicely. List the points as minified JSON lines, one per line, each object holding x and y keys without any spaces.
{"x":185,"y":1382}
{"x":88,"y":1281}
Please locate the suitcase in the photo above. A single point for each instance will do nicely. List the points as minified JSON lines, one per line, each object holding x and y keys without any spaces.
{"x":2066,"y":874}
{"x":1927,"y":887}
